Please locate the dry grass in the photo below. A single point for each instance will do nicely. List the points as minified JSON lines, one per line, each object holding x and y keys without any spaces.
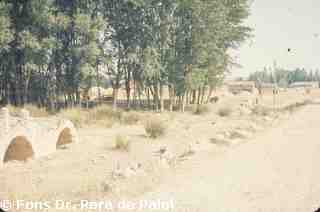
{"x":105,"y":112}
{"x":101,"y":116}
{"x":261,"y":111}
{"x":14,"y":111}
{"x":33,"y":109}
{"x":131,"y":118}
{"x":154,"y":127}
{"x":225,"y":111}
{"x":201,"y":110}
{"x":122,"y":143}
{"x":78,"y":116}
{"x":104,"y":116}
{"x":106,"y":123}
{"x":36,"y":111}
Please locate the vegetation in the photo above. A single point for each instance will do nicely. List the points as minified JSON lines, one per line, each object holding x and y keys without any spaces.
{"x":34,"y":111}
{"x":105,"y":112}
{"x":131,"y":118}
{"x":283,"y":77}
{"x":225,"y":111}
{"x":78,"y":117}
{"x":261,"y":110}
{"x":122,"y":143}
{"x":201,"y":110}
{"x":103,"y":116}
{"x":155,"y":127}
{"x":53,"y":52}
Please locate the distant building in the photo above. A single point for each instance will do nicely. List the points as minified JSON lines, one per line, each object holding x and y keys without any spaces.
{"x":304,"y":85}
{"x":237,"y":87}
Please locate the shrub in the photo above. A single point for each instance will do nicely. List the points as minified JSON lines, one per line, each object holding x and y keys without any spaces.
{"x":154,"y":127}
{"x":122,"y":143}
{"x":214,"y":99}
{"x":131,"y":118}
{"x":223,"y":112}
{"x":201,"y":109}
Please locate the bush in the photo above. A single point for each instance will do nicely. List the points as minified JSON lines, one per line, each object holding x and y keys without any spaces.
{"x":214,"y":99}
{"x":154,"y":127}
{"x":223,"y":112}
{"x":131,"y":118}
{"x":122,"y":143}
{"x":201,"y":109}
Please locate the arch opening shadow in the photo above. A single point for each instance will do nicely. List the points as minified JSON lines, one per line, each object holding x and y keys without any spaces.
{"x":65,"y":137}
{"x":20,"y":149}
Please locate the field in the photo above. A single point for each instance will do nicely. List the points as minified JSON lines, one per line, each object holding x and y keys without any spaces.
{"x":120,"y":161}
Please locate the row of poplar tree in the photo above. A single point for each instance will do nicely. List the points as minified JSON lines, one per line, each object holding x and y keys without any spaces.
{"x":55,"y":50}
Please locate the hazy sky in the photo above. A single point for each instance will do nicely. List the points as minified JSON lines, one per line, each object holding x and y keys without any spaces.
{"x":279,"y":25}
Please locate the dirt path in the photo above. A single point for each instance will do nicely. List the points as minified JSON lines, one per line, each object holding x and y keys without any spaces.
{"x":277,"y":171}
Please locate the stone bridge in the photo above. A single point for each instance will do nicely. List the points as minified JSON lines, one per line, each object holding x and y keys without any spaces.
{"x":23,"y":137}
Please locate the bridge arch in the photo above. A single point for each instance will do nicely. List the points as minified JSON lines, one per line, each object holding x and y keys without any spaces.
{"x":66,"y":134}
{"x":19,"y":149}
{"x":65,"y":137}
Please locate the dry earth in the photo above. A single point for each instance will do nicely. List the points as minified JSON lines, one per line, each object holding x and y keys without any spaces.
{"x":275,"y":172}
{"x":204,"y":168}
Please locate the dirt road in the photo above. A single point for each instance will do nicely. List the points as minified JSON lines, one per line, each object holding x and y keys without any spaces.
{"x":277,"y":171}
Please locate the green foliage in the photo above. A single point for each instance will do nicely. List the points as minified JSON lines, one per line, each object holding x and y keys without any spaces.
{"x":283,"y":78}
{"x":5,"y":34}
{"x":53,"y":50}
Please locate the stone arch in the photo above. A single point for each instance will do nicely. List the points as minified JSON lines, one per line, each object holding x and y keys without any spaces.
{"x":65,"y":137}
{"x":19,"y":149}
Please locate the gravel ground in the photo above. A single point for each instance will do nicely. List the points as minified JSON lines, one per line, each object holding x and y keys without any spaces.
{"x":277,"y":171}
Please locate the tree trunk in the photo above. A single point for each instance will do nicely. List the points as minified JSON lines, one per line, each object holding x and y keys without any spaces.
{"x":202,"y":94}
{"x":199,"y":96}
{"x":115,"y":97}
{"x":194,"y":96}
{"x":183,"y":103}
{"x":209,"y":94}
{"x":156,"y":96}
{"x":161,"y":98}
{"x":148,"y":98}
{"x":171,"y":98}
{"x":128,"y":87}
